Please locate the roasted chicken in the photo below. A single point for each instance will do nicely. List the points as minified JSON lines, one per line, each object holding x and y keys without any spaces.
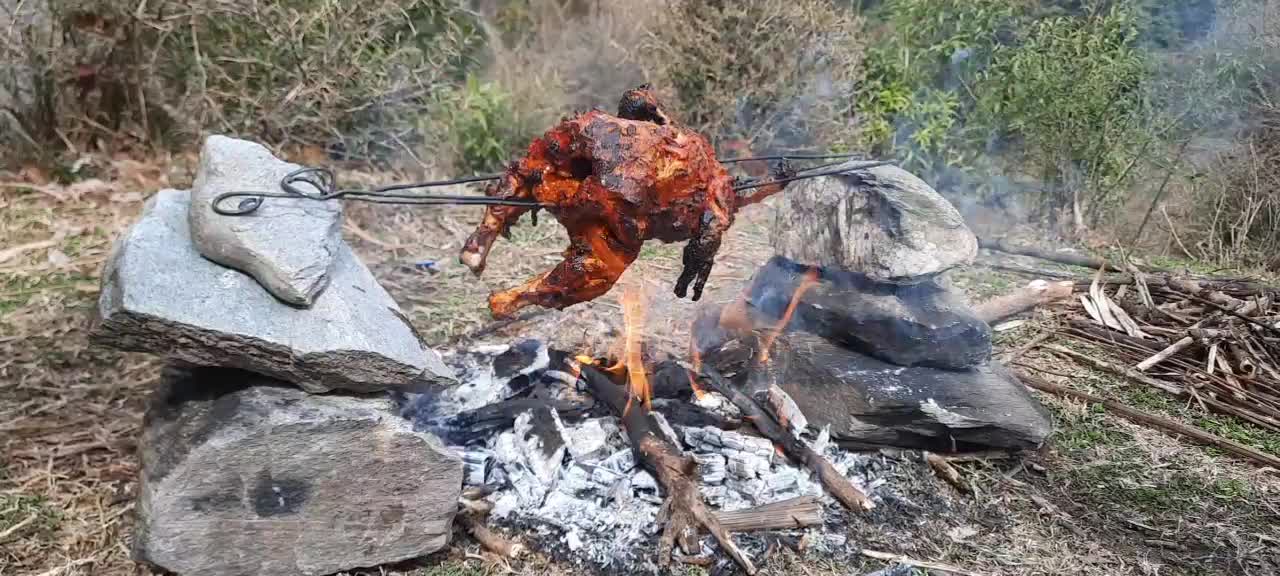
{"x":614,"y":182}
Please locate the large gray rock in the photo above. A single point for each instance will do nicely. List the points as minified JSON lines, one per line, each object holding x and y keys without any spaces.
{"x":871,"y":403}
{"x":243,"y":476}
{"x":287,"y":244}
{"x":882,"y":222}
{"x":160,"y":296}
{"x":909,"y":325}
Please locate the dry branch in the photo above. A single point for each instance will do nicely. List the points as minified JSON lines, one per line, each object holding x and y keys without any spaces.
{"x":1163,"y":355}
{"x":491,"y":540}
{"x":946,"y":471}
{"x":795,"y":448}
{"x":1036,"y":293}
{"x":1068,"y":258}
{"x":1154,"y":421}
{"x":900,"y":559}
{"x":686,"y":513}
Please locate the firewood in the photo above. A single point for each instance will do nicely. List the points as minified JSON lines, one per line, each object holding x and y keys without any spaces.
{"x":796,"y":449}
{"x":1163,"y":355}
{"x":490,"y":540}
{"x":796,"y":512}
{"x":686,"y":512}
{"x":1037,"y":293}
{"x":1158,"y":422}
{"x":1263,"y":420}
{"x":946,"y":471}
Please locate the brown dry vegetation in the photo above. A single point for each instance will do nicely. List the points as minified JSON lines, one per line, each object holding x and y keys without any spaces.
{"x":1106,"y":497}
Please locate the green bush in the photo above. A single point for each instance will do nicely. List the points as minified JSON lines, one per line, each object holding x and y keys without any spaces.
{"x":479,"y":126}
{"x":982,"y":86}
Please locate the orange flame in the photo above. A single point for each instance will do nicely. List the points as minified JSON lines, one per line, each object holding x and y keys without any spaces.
{"x":696,"y":354}
{"x":633,"y":319}
{"x":809,"y":280}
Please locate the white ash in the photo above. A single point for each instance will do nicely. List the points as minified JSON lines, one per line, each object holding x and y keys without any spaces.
{"x":576,"y":486}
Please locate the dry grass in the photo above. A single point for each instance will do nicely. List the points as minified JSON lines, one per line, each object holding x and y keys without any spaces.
{"x":1106,"y":498}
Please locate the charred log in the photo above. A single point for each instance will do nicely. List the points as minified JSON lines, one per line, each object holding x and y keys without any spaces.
{"x":686,"y":513}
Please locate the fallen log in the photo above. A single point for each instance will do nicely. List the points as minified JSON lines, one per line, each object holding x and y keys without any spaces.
{"x":795,"y":448}
{"x":686,"y":513}
{"x":1158,"y":422}
{"x":1036,"y":293}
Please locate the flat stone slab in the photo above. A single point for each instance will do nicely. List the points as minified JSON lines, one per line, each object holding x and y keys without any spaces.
{"x":882,"y":222}
{"x":870,"y":403}
{"x":289,"y":245}
{"x":246,"y":476}
{"x":159,"y":295}
{"x":908,"y":325}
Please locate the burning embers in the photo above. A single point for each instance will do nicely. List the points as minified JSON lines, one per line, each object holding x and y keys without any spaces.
{"x":587,"y":453}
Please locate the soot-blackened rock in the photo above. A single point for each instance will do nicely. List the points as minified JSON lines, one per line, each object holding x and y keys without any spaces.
{"x":243,"y":475}
{"x":870,"y":403}
{"x":908,"y":325}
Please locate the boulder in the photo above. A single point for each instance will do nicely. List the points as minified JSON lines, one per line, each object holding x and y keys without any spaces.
{"x":160,"y":296}
{"x":289,"y":245}
{"x":882,"y":222}
{"x":242,"y":475}
{"x":871,"y":403}
{"x":908,"y":325}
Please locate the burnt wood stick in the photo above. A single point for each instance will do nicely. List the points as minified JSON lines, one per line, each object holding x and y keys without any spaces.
{"x":795,"y":448}
{"x":797,"y":512}
{"x":677,"y":473}
{"x":1161,"y":423}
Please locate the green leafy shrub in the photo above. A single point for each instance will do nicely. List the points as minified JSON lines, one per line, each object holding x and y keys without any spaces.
{"x":480,"y":126}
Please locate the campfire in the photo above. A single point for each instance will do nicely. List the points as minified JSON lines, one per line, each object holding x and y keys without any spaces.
{"x":301,"y":395}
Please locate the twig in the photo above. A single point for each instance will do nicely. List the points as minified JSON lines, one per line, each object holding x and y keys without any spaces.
{"x":10,"y":531}
{"x":1164,"y":185}
{"x":946,"y":471}
{"x":491,"y":540}
{"x":1163,"y":355}
{"x":1158,"y":422}
{"x":900,"y":559}
{"x":1060,"y":257}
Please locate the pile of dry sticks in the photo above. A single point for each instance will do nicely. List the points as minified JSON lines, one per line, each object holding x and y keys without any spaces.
{"x":1212,"y":342}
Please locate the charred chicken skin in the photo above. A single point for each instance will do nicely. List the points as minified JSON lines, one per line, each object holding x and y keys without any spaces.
{"x":613,"y":182}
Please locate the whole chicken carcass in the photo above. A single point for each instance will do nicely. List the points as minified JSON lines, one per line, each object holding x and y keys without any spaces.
{"x":614,"y":182}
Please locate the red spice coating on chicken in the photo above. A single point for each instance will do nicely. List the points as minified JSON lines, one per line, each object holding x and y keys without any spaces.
{"x":613,"y":182}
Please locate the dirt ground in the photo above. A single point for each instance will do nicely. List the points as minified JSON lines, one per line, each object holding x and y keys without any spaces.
{"x":1105,"y":497}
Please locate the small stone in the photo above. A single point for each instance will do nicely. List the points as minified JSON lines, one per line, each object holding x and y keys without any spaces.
{"x":287,"y":244}
{"x":239,"y":471}
{"x":642,"y":480}
{"x":883,"y":222}
{"x":159,"y":295}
